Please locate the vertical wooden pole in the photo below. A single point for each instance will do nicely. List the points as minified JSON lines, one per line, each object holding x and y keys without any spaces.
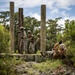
{"x":20,"y":11}
{"x":12,"y":26}
{"x":20,"y":17}
{"x":43,"y":28}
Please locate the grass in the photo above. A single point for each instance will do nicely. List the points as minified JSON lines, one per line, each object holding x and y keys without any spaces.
{"x":33,"y":67}
{"x":7,"y":65}
{"x":47,"y":65}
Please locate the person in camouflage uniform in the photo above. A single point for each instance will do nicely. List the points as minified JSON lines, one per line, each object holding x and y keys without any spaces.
{"x":30,"y":43}
{"x":37,"y":44}
{"x":23,"y":40}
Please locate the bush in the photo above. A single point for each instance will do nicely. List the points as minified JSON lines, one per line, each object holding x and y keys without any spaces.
{"x":8,"y":64}
{"x":71,"y":52}
{"x":4,"y":40}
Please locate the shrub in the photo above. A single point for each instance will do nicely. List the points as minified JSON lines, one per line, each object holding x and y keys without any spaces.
{"x":8,"y":64}
{"x":4,"y":39}
{"x":71,"y":52}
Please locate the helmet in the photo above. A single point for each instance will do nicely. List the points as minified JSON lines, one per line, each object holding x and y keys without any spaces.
{"x":22,"y":28}
{"x":29,"y":31}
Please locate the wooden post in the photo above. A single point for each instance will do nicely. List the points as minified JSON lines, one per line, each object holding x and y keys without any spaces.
{"x":12,"y":26}
{"x":43,"y":28}
{"x":20,"y":10}
{"x":20,"y":17}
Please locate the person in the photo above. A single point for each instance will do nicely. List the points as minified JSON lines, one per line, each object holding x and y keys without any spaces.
{"x":55,"y":49}
{"x":59,"y":50}
{"x":23,"y":40}
{"x":37,"y":43}
{"x":62,"y":49}
{"x":30,"y":43}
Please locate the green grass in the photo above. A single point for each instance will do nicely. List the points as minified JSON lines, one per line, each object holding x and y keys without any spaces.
{"x":47,"y":65}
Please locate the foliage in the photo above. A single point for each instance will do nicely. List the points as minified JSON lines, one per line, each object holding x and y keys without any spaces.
{"x":4,"y":18}
{"x":46,"y":66}
{"x":4,"y":39}
{"x":8,"y":64}
{"x":52,"y":31}
{"x":69,"y":38}
{"x":31,"y":23}
{"x":38,"y":52}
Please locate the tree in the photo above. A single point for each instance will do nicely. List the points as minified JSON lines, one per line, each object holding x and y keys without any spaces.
{"x":69,"y":32}
{"x":30,"y":23}
{"x":52,"y":31}
{"x":4,"y":17}
{"x":69,"y":38}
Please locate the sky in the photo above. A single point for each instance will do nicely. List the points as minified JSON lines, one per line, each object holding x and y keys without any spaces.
{"x":54,"y":8}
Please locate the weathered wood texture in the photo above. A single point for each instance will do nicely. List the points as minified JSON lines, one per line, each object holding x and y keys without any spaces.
{"x":20,"y":13}
{"x":43,"y":28}
{"x":20,"y":17}
{"x":11,"y":27}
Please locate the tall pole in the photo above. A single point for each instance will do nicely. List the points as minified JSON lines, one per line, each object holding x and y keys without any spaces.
{"x":12,"y":27}
{"x":20,"y":17}
{"x":20,"y":11}
{"x":43,"y":28}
